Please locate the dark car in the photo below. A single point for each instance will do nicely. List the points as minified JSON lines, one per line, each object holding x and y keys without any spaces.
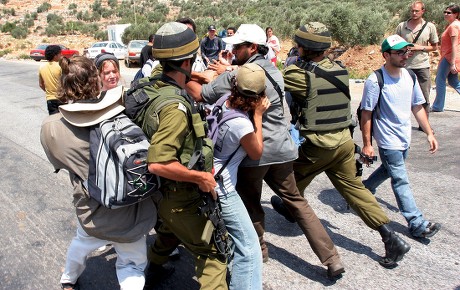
{"x":38,"y":53}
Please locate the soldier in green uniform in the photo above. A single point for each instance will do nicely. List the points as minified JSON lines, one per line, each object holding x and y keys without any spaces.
{"x":321,"y":102}
{"x":172,"y":144}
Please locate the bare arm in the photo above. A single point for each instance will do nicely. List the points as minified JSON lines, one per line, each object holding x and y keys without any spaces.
{"x":176,"y":171}
{"x":453,"y":68}
{"x":253,"y":143}
{"x":366,"y":125}
{"x":41,"y":82}
{"x":420,"y":116}
{"x":194,"y":90}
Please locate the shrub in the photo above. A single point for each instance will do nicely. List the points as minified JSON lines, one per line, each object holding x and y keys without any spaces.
{"x":5,"y":52}
{"x":44,"y":7}
{"x":3,"y":1}
{"x":19,"y":32}
{"x":54,"y":18}
{"x":101,"y":35}
{"x":54,"y":29}
{"x":24,"y":56}
{"x":8,"y":26}
{"x":72,"y":6}
{"x":112,"y":3}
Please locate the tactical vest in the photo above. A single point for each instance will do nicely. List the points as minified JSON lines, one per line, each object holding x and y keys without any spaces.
{"x":326,"y":107}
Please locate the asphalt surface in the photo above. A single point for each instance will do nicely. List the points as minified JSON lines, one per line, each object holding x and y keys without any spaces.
{"x":37,"y":221}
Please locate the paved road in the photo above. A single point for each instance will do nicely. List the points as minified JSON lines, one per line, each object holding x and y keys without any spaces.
{"x":37,"y":221}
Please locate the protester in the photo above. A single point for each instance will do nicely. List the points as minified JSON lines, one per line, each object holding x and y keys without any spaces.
{"x":425,"y":39}
{"x":210,"y":46}
{"x":49,"y":74}
{"x":320,"y":94}
{"x":450,"y":58}
{"x":392,"y":130}
{"x":65,"y":139}
{"x":146,"y":52}
{"x":109,"y":70}
{"x":236,"y":139}
{"x":273,"y":44}
{"x":275,"y":165}
{"x":169,"y":155}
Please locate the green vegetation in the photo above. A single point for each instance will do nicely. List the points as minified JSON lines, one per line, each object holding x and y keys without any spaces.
{"x":5,"y":52}
{"x":44,"y":7}
{"x":24,"y":56}
{"x":354,"y":22}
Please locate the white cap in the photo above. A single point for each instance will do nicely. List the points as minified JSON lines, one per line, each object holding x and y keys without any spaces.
{"x":248,"y":33}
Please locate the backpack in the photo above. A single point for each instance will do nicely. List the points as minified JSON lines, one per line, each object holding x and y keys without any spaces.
{"x":118,"y":172}
{"x":217,"y":117}
{"x":380,"y":81}
{"x":143,"y":102}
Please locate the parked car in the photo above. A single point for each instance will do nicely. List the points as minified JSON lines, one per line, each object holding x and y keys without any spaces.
{"x":38,"y":53}
{"x":118,"y":49}
{"x":133,"y":52}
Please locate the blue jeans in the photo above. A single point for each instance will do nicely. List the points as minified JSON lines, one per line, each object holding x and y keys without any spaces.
{"x":393,"y":167}
{"x":247,"y":258}
{"x":442,"y":75}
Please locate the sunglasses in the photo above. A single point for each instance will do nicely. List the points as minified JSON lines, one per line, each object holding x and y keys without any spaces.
{"x":401,"y":52}
{"x":447,"y":12}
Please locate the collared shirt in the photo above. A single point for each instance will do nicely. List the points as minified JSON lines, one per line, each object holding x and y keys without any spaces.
{"x":420,"y":59}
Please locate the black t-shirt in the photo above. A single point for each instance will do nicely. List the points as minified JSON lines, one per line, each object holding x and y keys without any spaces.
{"x":146,"y":54}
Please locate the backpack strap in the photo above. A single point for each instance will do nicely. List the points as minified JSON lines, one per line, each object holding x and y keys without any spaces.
{"x":420,"y":32}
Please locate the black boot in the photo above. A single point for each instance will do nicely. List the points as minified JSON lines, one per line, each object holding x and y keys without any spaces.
{"x":155,"y":274}
{"x":395,"y":247}
{"x":280,"y":208}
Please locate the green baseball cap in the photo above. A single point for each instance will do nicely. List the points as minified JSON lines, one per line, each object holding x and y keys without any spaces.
{"x":394,"y":42}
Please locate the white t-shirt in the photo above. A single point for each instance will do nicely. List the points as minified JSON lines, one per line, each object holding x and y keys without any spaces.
{"x":393,"y":129}
{"x":228,"y":140}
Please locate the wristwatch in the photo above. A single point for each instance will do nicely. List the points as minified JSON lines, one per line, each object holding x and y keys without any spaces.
{"x":228,"y":68}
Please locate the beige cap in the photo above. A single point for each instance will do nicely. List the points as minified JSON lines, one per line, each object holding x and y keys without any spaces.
{"x":250,"y":80}
{"x":87,"y":113}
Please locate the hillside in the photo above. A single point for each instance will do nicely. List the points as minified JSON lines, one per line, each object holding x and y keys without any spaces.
{"x":360,"y":60}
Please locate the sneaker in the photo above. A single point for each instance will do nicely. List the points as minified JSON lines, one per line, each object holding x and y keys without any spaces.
{"x":430,"y":230}
{"x":279,"y":207}
{"x":154,"y":274}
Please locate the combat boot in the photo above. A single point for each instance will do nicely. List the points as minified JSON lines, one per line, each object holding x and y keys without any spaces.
{"x":395,"y":247}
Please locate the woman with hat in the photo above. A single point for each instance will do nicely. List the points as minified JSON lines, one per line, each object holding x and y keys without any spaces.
{"x":109,"y":70}
{"x":65,"y":139}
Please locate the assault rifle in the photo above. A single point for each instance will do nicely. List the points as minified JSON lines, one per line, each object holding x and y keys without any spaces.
{"x":215,"y":226}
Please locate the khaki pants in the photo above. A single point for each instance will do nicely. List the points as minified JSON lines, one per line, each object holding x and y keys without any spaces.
{"x":182,"y":223}
{"x":340,"y":167}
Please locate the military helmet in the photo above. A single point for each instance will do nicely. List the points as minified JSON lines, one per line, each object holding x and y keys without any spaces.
{"x":313,"y":36}
{"x":174,"y":41}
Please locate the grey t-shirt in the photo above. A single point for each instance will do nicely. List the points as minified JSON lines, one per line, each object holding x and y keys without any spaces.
{"x":393,"y":129}
{"x":278,"y":144}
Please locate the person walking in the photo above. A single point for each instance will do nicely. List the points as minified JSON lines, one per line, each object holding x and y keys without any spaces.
{"x":449,"y":65}
{"x":321,"y":98}
{"x":423,"y":35}
{"x":49,"y":75}
{"x":273,"y":44}
{"x":171,"y":147}
{"x":391,"y":130}
{"x":65,"y":138}
{"x":275,"y":165}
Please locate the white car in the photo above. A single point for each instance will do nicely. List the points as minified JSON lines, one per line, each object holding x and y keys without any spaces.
{"x":118,"y":49}
{"x":133,"y":53}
